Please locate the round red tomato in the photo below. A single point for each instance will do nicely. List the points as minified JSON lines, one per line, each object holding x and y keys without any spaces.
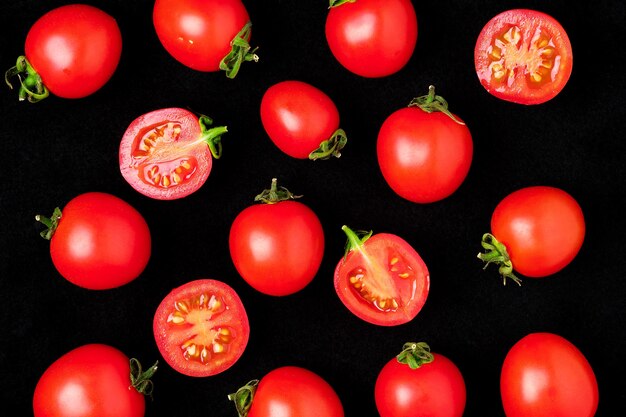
{"x":418,"y":383}
{"x":302,"y":121}
{"x":523,"y":56}
{"x":545,"y":375}
{"x":205,"y":35}
{"x":168,"y":153}
{"x":98,"y":241}
{"x":372,"y":38}
{"x":381,"y":279}
{"x":536,"y":231}
{"x":201,"y":328}
{"x":424,"y":152}
{"x":277,"y":247}
{"x":71,"y":51}
{"x":93,"y":380}
{"x":289,"y":391}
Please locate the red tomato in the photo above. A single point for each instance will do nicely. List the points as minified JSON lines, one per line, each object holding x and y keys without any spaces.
{"x":71,"y":51}
{"x":372,"y":38}
{"x":382,"y":279}
{"x":98,"y":241}
{"x":302,"y":121}
{"x":523,"y":56}
{"x":93,"y":380}
{"x":205,"y":35}
{"x":288,"y":391}
{"x":418,"y":383}
{"x":536,"y":231}
{"x":201,"y":328}
{"x":167,"y":154}
{"x":544,"y":375}
{"x":277,"y":247}
{"x":424,"y":152}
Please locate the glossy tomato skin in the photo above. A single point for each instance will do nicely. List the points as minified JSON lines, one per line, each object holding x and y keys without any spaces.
{"x":201,"y":328}
{"x":435,"y":389}
{"x":372,"y":38}
{"x":545,"y":375}
{"x":197,"y":33}
{"x":75,"y":49}
{"x":101,"y":242}
{"x":542,"y":228}
{"x":424,"y":157}
{"x":292,"y":391}
{"x":523,"y":56}
{"x":277,"y":248}
{"x":162,"y":156}
{"x":298,"y":117}
{"x":90,"y":381}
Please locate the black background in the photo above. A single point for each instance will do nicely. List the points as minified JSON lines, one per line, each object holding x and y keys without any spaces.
{"x":54,"y":150}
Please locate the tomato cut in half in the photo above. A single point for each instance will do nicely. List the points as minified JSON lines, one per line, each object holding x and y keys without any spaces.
{"x":201,"y":328}
{"x":523,"y":56}
{"x":382,"y":279}
{"x":168,"y":153}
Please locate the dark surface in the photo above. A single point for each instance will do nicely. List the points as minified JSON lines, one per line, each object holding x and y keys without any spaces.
{"x":57,"y":149}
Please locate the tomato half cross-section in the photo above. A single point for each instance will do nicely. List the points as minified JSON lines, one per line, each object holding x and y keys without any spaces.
{"x":168,"y":153}
{"x":523,"y":56}
{"x":381,"y":279}
{"x":201,"y":328}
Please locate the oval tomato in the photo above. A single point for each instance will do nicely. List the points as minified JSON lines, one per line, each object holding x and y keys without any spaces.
{"x":98,"y":241}
{"x":288,"y":391}
{"x":277,"y":247}
{"x":167,"y":154}
{"x":201,"y":328}
{"x":71,"y":51}
{"x":93,"y":380}
{"x":418,"y":383}
{"x":523,"y":56}
{"x":302,"y":121}
{"x":545,"y":375}
{"x":205,"y":35}
{"x":424,"y":151}
{"x":536,"y":231}
{"x":381,"y":279}
{"x":372,"y":38}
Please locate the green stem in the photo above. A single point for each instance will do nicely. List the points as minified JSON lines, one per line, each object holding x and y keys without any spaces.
{"x":243,"y":397}
{"x":432,"y":103}
{"x":240,"y":52}
{"x":355,"y":239}
{"x":31,"y":85}
{"x":495,"y":252}
{"x":139,"y":379}
{"x":336,"y":3}
{"x":415,"y":354}
{"x":212,"y":135}
{"x":51,"y":223}
{"x":275,"y":194}
{"x":331,"y":146}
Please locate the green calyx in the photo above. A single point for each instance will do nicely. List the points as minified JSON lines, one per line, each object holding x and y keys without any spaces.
{"x":433,"y":103}
{"x":140,"y":379}
{"x":355,"y":239}
{"x":330,"y":147}
{"x":240,"y":52}
{"x":212,"y":135}
{"x":243,"y":397}
{"x":495,"y":252}
{"x":31,"y":86}
{"x":336,"y":3}
{"x":51,"y":223}
{"x":415,"y":354}
{"x":275,"y":194}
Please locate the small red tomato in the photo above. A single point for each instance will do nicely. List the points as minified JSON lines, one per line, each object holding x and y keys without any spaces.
{"x":372,"y":38}
{"x":201,"y":328}
{"x":424,"y":151}
{"x":418,"y":383}
{"x":289,"y":391}
{"x":523,"y":56}
{"x":168,"y":153}
{"x":545,"y":375}
{"x":381,"y":279}
{"x":205,"y":35}
{"x":277,"y":247}
{"x":71,"y":52}
{"x":536,"y":231}
{"x":98,"y":241}
{"x":93,"y":380}
{"x":302,"y":121}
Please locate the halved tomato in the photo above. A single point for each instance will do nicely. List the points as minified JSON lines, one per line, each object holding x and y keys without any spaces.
{"x":381,"y":279}
{"x":523,"y":56}
{"x":201,"y":328}
{"x":168,"y":153}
